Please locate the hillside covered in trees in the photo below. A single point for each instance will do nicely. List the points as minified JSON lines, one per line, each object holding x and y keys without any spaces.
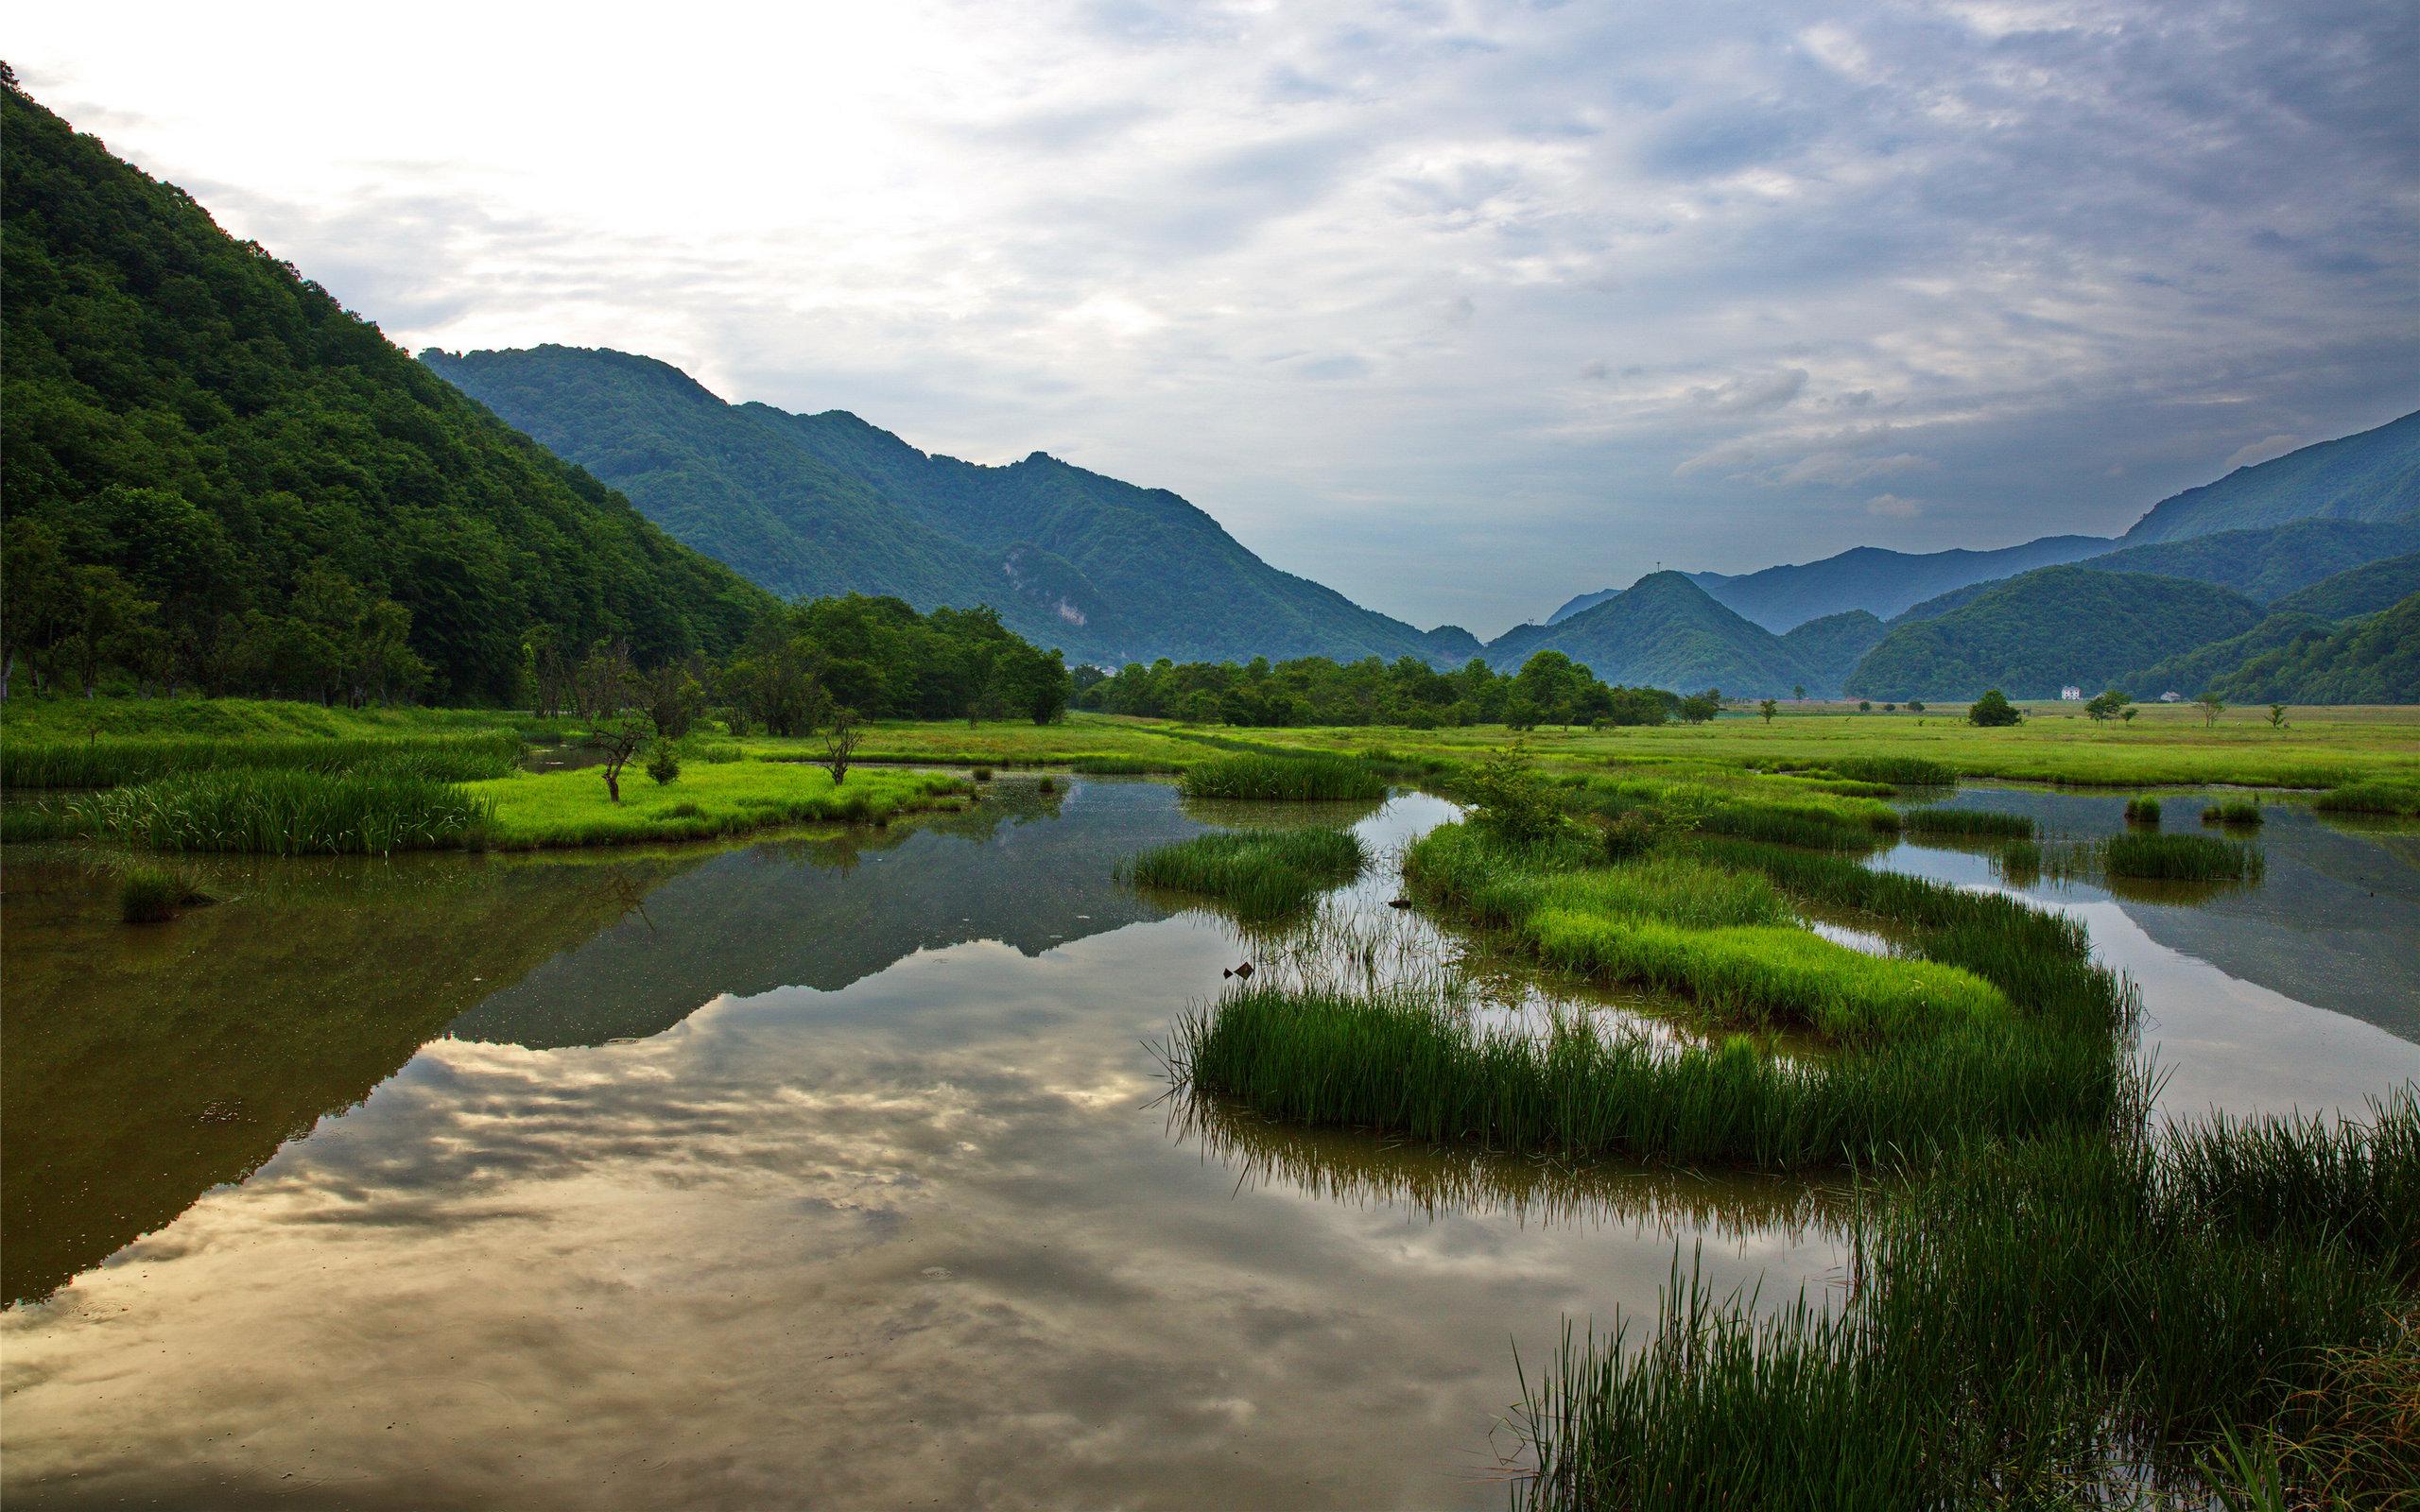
{"x":2048,"y":628}
{"x":1663,"y":631}
{"x":219,"y":478}
{"x":827,"y":503}
{"x":1549,"y":689}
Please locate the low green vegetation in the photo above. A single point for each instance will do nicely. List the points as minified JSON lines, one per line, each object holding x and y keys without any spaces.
{"x":2233,"y":812}
{"x":1976,"y":824}
{"x":288,"y":813}
{"x":149,"y":893}
{"x":2141,"y":810}
{"x":569,"y":808}
{"x":2180,"y":858}
{"x":1258,"y":874}
{"x":110,"y":760}
{"x":2383,"y":796}
{"x":1290,"y":778}
{"x":2038,"y":1325}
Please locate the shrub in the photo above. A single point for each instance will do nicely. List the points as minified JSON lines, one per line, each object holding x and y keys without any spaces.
{"x":663,"y":763}
{"x":1994,"y":709}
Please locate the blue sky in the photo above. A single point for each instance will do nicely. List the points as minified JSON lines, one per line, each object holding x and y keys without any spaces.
{"x":1459,"y":308}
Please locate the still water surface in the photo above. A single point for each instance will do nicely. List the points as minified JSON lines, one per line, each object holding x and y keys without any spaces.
{"x":838,"y":1172}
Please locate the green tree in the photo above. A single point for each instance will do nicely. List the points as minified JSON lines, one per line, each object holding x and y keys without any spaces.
{"x":1993,"y":709}
{"x":2277,"y":717}
{"x":2105,"y":705}
{"x":1768,"y":708}
{"x":2211,"y":706}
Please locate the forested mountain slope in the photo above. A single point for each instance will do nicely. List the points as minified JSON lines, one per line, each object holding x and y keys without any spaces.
{"x":1832,"y":647}
{"x":2048,"y":628}
{"x":2370,"y":476}
{"x":253,"y":491}
{"x":2375,"y":659}
{"x":822,"y":503}
{"x":1663,"y":631}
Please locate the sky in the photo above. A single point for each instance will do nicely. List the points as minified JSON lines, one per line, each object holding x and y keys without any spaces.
{"x":1459,"y":308}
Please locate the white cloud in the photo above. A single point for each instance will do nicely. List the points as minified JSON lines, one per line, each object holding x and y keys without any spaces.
{"x":2261,"y":450}
{"x":1891,"y":507}
{"x":1335,"y":272}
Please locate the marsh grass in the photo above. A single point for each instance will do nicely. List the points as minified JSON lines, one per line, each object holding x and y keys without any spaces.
{"x":286,"y":813}
{"x":1258,"y":874}
{"x":1979,"y":824}
{"x":2234,"y":813}
{"x":566,"y":808}
{"x":2144,"y":810}
{"x":2047,"y":1324}
{"x":151,"y":893}
{"x":1290,"y":778}
{"x":113,"y":761}
{"x":2383,"y":796}
{"x":1899,"y":771}
{"x":2180,"y":858}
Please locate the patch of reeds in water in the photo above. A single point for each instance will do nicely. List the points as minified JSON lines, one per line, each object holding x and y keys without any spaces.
{"x":2143,"y":811}
{"x":150,"y":893}
{"x":1899,"y":772}
{"x":1289,"y":779}
{"x":116,"y":760}
{"x":2069,"y":1322}
{"x":288,"y":813}
{"x":2383,"y":796}
{"x":2180,"y":858}
{"x":1256,"y":874}
{"x":1981,"y":824}
{"x":2238,"y":813}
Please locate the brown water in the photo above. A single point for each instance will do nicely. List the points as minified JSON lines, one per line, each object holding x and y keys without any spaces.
{"x":826,"y":1172}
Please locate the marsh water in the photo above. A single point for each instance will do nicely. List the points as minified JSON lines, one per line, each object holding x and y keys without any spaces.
{"x":840,"y":1171}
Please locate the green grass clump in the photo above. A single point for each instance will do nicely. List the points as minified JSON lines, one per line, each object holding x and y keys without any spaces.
{"x":2234,"y":812}
{"x":1899,"y":772}
{"x":113,"y":761}
{"x":289,"y":813}
{"x":2180,"y":858}
{"x":2143,"y":811}
{"x":569,"y":808}
{"x":2381,"y":796}
{"x":1967,"y":823}
{"x":1259,"y":874}
{"x":2035,"y":1325}
{"x":149,"y":893}
{"x":1294,"y":779}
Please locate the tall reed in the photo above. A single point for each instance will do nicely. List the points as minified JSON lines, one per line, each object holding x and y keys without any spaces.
{"x":289,"y":813}
{"x":1259,"y":874}
{"x":1285,"y":777}
{"x":111,"y":761}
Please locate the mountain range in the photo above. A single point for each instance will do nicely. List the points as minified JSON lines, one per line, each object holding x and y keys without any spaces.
{"x":820,"y":504}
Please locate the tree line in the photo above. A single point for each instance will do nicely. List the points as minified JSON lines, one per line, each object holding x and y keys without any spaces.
{"x":1549,"y":689}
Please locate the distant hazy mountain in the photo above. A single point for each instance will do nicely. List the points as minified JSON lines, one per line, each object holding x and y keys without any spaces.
{"x":823,"y":503}
{"x":1832,"y":647}
{"x":1665,"y":631}
{"x":1880,"y":582}
{"x":2270,"y":563}
{"x":2048,"y":628}
{"x":2372,"y":476}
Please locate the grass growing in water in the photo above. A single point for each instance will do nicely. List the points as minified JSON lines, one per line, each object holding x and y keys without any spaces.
{"x":1967,"y":823}
{"x":113,"y":761}
{"x":2234,"y":812}
{"x":289,"y":813}
{"x":569,"y":808}
{"x":1261,"y":874}
{"x":2034,"y":1325}
{"x":2381,"y":796}
{"x":149,"y":893}
{"x":2143,"y":811}
{"x":1293,"y":778}
{"x":2180,"y":858}
{"x":1899,"y":772}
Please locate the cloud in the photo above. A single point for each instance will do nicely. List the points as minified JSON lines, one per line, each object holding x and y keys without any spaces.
{"x":2260,"y":451}
{"x":1611,"y":278}
{"x":1891,"y":507}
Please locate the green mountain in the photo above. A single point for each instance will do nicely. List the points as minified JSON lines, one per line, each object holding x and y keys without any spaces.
{"x":2376,"y":660}
{"x":2372,"y":476}
{"x":2048,"y":628}
{"x":1832,"y":647}
{"x":2271,"y":562}
{"x":1665,"y":631}
{"x":2365,"y":590}
{"x":242,"y":474}
{"x":826,"y":503}
{"x":2189,"y":672}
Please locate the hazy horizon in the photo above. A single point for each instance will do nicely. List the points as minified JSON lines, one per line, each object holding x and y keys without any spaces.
{"x":1459,"y":310}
